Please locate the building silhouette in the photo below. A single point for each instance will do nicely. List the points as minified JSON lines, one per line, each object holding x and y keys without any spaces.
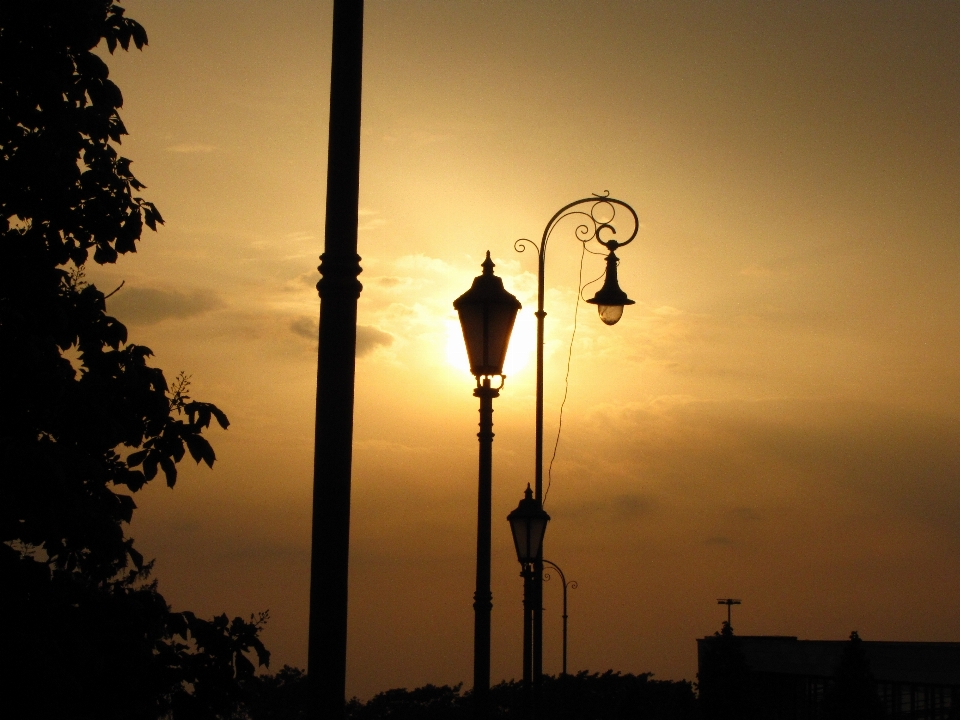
{"x":780,"y":677}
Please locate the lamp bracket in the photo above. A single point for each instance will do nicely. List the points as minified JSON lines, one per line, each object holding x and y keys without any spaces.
{"x":483,"y":382}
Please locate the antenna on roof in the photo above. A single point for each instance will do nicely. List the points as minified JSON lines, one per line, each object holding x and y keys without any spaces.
{"x":729,"y":602}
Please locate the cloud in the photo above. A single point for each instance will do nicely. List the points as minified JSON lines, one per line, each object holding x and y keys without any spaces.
{"x":756,"y":270}
{"x":305,"y":327}
{"x":308,"y":279}
{"x":749,"y":457}
{"x":147,"y":306}
{"x":369,"y":338}
{"x":622,"y":507}
{"x":372,"y":224}
{"x":422,"y":263}
{"x":190,"y":148}
{"x":745,"y":514}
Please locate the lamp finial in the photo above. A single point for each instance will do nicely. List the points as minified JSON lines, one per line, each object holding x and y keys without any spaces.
{"x":487,"y":265}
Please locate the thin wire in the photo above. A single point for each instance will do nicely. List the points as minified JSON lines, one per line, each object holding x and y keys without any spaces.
{"x":566,"y":379}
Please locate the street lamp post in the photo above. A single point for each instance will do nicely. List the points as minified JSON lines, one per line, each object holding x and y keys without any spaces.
{"x":336,"y":366}
{"x":528,"y":523}
{"x":566,"y":584}
{"x":487,"y":313}
{"x":595,"y":215}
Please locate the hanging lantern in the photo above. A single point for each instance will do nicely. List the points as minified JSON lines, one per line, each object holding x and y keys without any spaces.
{"x":610,"y":299}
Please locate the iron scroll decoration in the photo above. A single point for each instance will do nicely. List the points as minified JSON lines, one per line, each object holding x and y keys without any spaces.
{"x":589,"y":229}
{"x":572,"y":584}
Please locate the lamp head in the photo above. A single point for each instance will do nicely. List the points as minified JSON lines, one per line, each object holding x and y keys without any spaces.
{"x":487,"y":313}
{"x":528,"y":524}
{"x":610,"y":299}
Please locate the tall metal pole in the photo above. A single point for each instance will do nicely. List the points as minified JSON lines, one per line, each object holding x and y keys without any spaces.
{"x":528,"y":580}
{"x":336,"y":363}
{"x":537,"y":581}
{"x":482,"y":598}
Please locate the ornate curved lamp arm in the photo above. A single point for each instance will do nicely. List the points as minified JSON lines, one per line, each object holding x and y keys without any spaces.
{"x":589,"y":229}
{"x":572,"y":584}
{"x":546,"y":576}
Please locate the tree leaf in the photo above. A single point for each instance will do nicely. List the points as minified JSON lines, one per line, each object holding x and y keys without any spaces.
{"x":169,"y":471}
{"x":220,"y":416}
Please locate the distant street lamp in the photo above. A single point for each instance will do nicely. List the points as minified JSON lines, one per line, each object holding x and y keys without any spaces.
{"x":487,"y":313}
{"x":610,"y":301}
{"x":528,"y":523}
{"x":566,"y":584}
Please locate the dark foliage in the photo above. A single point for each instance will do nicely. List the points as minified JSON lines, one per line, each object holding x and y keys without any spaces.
{"x":585,"y":696}
{"x":85,"y":420}
{"x":613,"y":696}
{"x":724,"y":681}
{"x":853,"y":695}
{"x":429,"y":702}
{"x":283,"y":696}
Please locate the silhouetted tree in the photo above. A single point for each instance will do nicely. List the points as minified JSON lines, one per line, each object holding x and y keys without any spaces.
{"x":430,"y":702}
{"x":612,"y":695}
{"x":284,"y":696}
{"x":853,"y":696}
{"x":85,"y":420}
{"x":724,"y":681}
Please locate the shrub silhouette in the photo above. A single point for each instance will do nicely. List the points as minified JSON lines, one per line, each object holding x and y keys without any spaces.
{"x":585,"y":696}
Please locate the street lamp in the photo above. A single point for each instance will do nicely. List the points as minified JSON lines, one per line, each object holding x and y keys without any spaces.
{"x":595,"y":215}
{"x":528,"y":523}
{"x":566,"y":584}
{"x":487,"y":313}
{"x":336,"y":369}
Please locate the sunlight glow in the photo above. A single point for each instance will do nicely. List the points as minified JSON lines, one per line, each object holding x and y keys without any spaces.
{"x":523,"y":345}
{"x":456,"y":350}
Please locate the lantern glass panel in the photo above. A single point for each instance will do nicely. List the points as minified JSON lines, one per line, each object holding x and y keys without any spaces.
{"x":471,"y":322}
{"x":500,"y":319}
{"x":528,"y":531}
{"x":521,"y":538}
{"x":610,"y":314}
{"x":538,"y":527}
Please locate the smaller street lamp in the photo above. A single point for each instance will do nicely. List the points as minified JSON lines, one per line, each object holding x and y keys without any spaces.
{"x":596,"y":218}
{"x":487,"y":312}
{"x":528,"y":523}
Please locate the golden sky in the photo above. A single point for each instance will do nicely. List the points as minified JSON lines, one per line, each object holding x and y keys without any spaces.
{"x":776,"y":419}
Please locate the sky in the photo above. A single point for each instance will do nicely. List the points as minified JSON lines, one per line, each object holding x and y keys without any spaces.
{"x":776,"y":419}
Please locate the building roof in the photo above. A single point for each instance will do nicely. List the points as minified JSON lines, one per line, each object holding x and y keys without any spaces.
{"x":932,"y":663}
